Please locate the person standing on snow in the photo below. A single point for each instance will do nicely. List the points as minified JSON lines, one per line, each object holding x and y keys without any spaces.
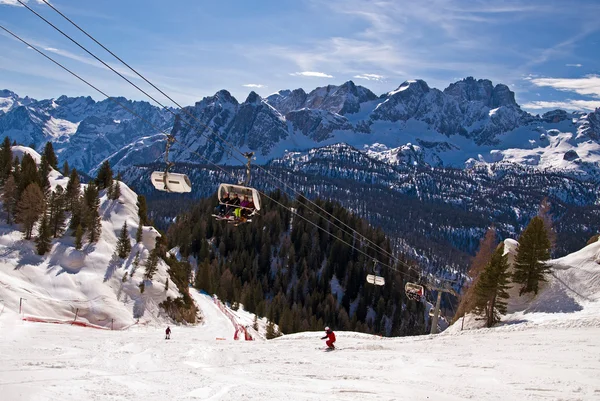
{"x":168,"y":333}
{"x":330,"y":335}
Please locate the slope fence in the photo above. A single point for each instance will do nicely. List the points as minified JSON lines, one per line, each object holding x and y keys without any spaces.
{"x":240,"y":330}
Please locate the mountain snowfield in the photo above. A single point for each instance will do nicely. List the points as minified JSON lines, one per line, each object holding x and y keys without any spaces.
{"x":86,"y":282}
{"x":546,"y":348}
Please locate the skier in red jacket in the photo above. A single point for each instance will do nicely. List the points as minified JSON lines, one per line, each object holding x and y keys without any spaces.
{"x":168,"y":333}
{"x":330,"y":336}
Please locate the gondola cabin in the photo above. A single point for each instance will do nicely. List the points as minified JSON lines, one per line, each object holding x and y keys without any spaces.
{"x":376,"y":280}
{"x":241,"y":191}
{"x":171,"y":182}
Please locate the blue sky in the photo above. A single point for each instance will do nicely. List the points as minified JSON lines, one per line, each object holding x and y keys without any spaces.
{"x":548,"y":52}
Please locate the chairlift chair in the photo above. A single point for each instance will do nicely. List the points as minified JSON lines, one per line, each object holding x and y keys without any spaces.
{"x":414,"y":291}
{"x":170,"y":182}
{"x":376,"y":280}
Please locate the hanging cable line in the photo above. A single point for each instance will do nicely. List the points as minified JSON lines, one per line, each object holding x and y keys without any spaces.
{"x":372,"y":244}
{"x":232,"y":147}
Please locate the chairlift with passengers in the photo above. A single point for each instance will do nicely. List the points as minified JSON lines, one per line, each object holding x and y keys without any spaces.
{"x":414,"y":291}
{"x":167,"y":181}
{"x":230,"y":209}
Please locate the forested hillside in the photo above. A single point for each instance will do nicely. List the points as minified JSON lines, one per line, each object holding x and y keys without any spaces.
{"x":299,"y":269}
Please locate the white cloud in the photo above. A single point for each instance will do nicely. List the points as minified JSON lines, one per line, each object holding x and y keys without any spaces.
{"x":567,"y":104}
{"x":589,"y":85}
{"x":311,"y":74}
{"x":10,"y":3}
{"x":369,"y":77}
{"x":254,"y":85}
{"x":574,"y":65}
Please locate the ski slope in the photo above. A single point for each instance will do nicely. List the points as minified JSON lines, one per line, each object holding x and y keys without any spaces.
{"x":57,"y":362}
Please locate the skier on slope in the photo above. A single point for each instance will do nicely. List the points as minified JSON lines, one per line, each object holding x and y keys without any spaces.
{"x":168,"y":333}
{"x":330,"y":336}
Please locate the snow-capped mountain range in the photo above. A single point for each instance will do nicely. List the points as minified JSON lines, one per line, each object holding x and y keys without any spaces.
{"x":471,"y":121}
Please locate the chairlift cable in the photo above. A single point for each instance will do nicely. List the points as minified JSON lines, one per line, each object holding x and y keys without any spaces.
{"x":373,"y":245}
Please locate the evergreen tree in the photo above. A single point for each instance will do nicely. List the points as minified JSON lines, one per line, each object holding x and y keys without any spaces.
{"x":43,"y":239}
{"x":44,"y":172}
{"x":91,"y":216}
{"x":30,"y":207}
{"x":124,"y":243}
{"x":57,"y":211}
{"x":73,"y":192}
{"x":533,"y":250}
{"x":142,"y":210}
{"x":78,"y":237}
{"x":138,"y":234}
{"x":490,"y":290}
{"x":65,"y":170}
{"x":136,"y":263}
{"x":167,"y":285}
{"x":115,"y":191}
{"x":104,"y":179}
{"x":151,"y":265}
{"x":27,"y":174}
{"x":255,"y":323}
{"x":9,"y":198}
{"x":5,"y":160}
{"x":486,"y":249}
{"x":50,"y":155}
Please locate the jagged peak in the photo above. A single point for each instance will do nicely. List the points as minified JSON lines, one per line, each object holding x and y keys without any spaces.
{"x":253,"y":98}
{"x":412,"y":85}
{"x":482,"y":90}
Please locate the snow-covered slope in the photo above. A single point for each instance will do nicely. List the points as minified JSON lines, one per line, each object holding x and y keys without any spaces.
{"x":569,"y":298}
{"x":86,"y":282}
{"x":553,"y":359}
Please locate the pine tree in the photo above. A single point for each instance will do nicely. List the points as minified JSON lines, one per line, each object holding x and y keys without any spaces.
{"x":50,"y":155}
{"x":43,"y":239}
{"x":167,"y":285}
{"x":91,"y":216}
{"x":5,"y":160}
{"x":533,"y":250}
{"x":490,"y":291}
{"x":65,"y":170}
{"x":57,"y":211}
{"x":104,"y":178}
{"x":124,"y":243}
{"x":9,"y":198}
{"x":151,"y":265}
{"x":27,"y":174}
{"x":138,"y":234}
{"x":30,"y":207}
{"x":255,"y":323}
{"x":73,"y":192}
{"x":78,"y":237}
{"x":142,"y":210}
{"x":136,"y":263}
{"x":486,"y":249}
{"x":116,"y":191}
{"x":44,"y":172}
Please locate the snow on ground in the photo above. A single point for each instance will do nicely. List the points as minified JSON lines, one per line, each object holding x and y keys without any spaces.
{"x":86,"y":283}
{"x":57,"y":362}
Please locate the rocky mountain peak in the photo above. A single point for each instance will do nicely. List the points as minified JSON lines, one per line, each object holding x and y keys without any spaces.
{"x":253,"y":98}
{"x":482,"y":90}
